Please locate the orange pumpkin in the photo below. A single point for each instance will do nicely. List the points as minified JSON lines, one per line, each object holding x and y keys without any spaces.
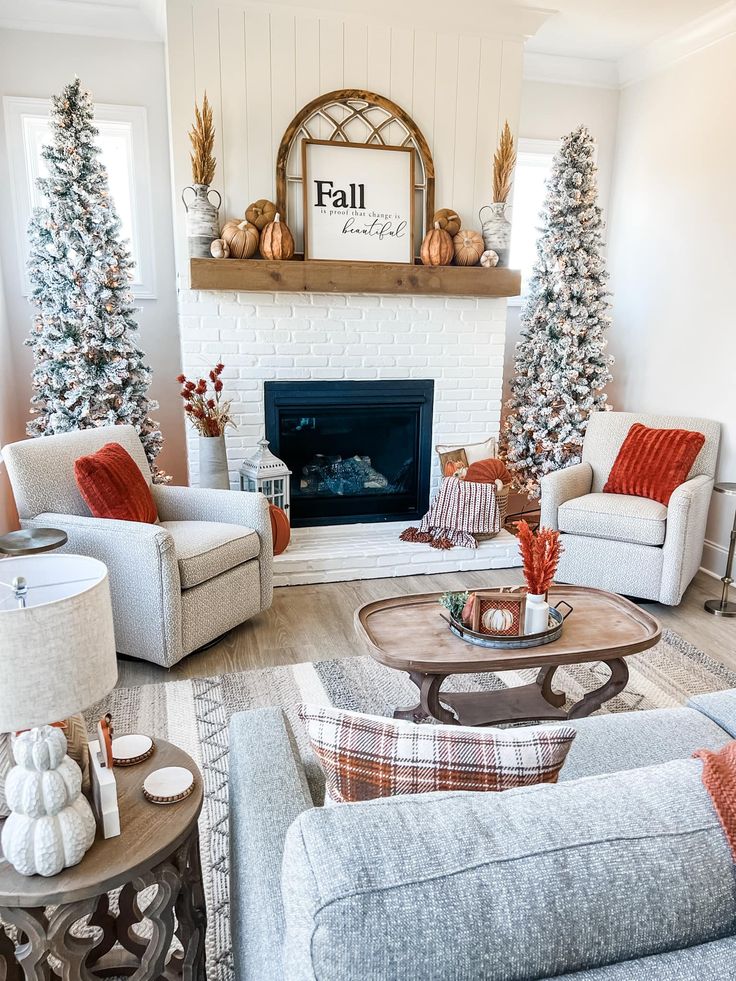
{"x":280,"y":529}
{"x":437,"y":248}
{"x":469,"y":247}
{"x":448,"y":221}
{"x":277,"y":242}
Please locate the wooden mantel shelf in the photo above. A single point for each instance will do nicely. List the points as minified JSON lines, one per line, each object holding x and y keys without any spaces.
{"x":320,"y":276}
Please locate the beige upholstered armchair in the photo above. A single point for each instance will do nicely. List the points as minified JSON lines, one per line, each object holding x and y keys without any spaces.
{"x":176,"y":585}
{"x":630,"y":545}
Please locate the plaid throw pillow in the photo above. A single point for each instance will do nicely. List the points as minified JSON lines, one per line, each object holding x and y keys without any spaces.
{"x":364,"y":756}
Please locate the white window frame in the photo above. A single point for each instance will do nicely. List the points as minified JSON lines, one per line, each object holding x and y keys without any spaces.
{"x":540,"y":148}
{"x":133,"y":122}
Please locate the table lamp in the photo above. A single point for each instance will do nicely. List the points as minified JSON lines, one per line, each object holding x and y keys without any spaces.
{"x":57,"y":657}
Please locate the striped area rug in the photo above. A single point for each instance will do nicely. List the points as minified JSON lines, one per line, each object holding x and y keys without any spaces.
{"x":194,"y":714}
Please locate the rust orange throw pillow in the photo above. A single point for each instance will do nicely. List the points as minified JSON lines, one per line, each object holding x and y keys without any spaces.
{"x":113,"y":486}
{"x":280,"y":529}
{"x":653,"y":462}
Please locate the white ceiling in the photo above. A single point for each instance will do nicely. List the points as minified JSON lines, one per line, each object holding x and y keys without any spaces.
{"x":610,"y":35}
{"x":611,"y":29}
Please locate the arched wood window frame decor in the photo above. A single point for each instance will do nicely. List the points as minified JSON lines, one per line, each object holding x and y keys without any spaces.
{"x":330,"y":116}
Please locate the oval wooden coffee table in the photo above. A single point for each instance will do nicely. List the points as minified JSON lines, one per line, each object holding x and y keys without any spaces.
{"x":409,"y":634}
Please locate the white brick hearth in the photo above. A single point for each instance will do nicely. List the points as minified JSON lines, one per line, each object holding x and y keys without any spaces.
{"x":457,"y":342}
{"x":342,"y":553}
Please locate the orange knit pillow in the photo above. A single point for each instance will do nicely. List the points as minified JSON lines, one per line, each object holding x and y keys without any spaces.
{"x":113,"y":486}
{"x":653,"y":462}
{"x":488,"y":471}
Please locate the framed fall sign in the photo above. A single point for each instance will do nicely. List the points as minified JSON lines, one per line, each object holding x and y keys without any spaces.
{"x":358,"y":201}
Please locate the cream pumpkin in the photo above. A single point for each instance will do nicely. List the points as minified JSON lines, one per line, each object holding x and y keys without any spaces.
{"x":51,"y":825}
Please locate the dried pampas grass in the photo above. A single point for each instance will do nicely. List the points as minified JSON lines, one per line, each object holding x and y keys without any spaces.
{"x":504,"y":161}
{"x":202,"y":138}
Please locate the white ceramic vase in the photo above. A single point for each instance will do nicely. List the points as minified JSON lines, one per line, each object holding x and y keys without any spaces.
{"x":496,"y":230}
{"x":213,"y":471}
{"x":203,"y":220}
{"x":51,"y":824}
{"x":536,"y":613}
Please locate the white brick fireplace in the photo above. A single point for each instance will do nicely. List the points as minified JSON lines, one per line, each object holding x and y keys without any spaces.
{"x":457,"y":342}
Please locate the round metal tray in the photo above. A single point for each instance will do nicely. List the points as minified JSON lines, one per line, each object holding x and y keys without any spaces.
{"x":553,"y":632}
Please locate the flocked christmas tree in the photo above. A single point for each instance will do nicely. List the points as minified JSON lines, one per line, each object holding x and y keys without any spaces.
{"x":88,"y":370}
{"x":561,"y":365}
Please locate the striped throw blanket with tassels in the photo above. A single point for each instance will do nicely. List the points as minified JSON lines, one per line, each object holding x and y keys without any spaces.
{"x":459,"y":510}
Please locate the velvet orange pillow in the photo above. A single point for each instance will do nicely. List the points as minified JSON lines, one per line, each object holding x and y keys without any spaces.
{"x":113,"y":486}
{"x":653,"y":462}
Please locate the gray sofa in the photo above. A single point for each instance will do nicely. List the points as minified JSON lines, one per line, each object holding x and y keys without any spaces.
{"x":620,"y":872}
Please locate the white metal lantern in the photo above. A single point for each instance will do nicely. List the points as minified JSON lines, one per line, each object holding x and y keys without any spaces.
{"x":264,"y":472}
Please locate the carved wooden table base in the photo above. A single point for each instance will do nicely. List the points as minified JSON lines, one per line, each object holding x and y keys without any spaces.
{"x":50,"y":943}
{"x":526,"y":703}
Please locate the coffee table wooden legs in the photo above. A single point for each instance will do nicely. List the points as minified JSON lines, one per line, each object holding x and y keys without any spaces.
{"x":525,"y":703}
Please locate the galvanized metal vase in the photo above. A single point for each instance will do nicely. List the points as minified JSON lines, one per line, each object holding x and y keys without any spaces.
{"x":496,"y":230}
{"x":213,"y":470}
{"x":203,"y":221}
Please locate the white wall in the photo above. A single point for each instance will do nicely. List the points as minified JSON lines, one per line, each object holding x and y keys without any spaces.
{"x":124,"y":73}
{"x":262,"y":63}
{"x":672,"y":248}
{"x":548,"y":112}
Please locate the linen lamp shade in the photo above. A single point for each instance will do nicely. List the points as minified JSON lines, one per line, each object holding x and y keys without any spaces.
{"x":57,"y":654}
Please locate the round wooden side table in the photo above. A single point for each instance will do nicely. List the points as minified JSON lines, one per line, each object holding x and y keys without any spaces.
{"x":157,"y":851}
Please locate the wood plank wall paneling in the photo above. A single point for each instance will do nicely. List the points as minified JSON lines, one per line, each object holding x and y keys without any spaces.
{"x":261,"y":64}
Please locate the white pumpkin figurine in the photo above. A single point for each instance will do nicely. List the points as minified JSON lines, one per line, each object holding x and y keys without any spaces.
{"x":51,"y":824}
{"x":489,"y":259}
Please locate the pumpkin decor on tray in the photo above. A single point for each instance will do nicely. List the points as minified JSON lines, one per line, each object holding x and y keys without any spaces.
{"x":280,"y":529}
{"x":469,"y":247}
{"x":241,"y":238}
{"x":448,"y":220}
{"x":260,"y":213}
{"x":437,"y":247}
{"x":277,"y":242}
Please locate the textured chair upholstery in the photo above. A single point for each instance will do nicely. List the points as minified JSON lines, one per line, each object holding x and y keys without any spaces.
{"x":630,"y":544}
{"x":621,"y":871}
{"x":205,"y":567}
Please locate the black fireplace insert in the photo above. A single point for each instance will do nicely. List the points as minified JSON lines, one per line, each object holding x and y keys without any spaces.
{"x":358,"y":450}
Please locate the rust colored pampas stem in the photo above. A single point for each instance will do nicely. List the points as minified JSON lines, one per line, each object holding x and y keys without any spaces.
{"x":540,"y":554}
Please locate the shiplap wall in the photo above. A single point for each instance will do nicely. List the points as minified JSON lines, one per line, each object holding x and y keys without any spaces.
{"x":261,"y":64}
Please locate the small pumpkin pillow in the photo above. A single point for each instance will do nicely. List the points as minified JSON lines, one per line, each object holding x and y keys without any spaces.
{"x":488,"y":472}
{"x":112,"y":485}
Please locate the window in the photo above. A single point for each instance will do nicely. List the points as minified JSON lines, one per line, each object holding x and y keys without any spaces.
{"x":123,"y":142}
{"x":533,"y":166}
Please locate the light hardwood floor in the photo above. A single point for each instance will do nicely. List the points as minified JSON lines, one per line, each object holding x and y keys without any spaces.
{"x":313,"y":623}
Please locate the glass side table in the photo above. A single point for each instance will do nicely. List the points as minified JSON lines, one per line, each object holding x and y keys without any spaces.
{"x":724,"y":607}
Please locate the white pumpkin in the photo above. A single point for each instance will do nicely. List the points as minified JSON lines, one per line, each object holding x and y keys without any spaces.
{"x":51,"y":825}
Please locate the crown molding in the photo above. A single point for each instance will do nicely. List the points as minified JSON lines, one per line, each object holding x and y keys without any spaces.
{"x":136,"y":20}
{"x":679,"y":44}
{"x":562,"y":70}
